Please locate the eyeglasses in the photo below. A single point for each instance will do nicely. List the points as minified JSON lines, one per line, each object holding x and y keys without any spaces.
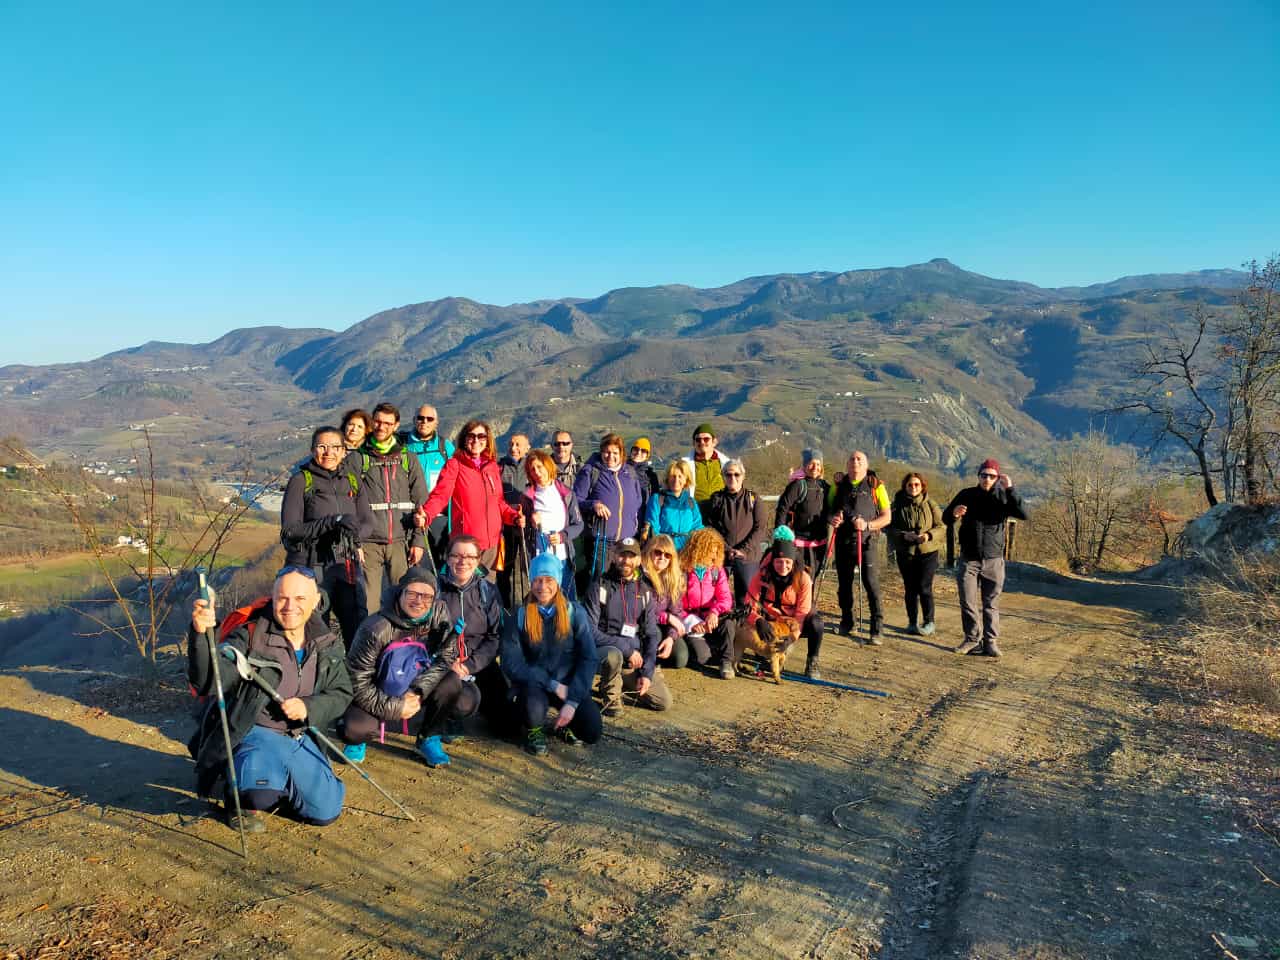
{"x":703,"y":439}
{"x":477,"y":436}
{"x":564,"y":443}
{"x":330,"y":447}
{"x":425,"y":596}
{"x":729,"y":473}
{"x":465,"y":557}
{"x":989,"y":476}
{"x":428,"y":419}
{"x":663,"y":553}
{"x":385,"y":423}
{"x":296,"y":568}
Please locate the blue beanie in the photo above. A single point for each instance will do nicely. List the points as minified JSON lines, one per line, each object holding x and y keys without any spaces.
{"x":546,"y":565}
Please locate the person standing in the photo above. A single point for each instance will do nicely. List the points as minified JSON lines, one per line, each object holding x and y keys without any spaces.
{"x":396,"y":487}
{"x":553,"y":520}
{"x":983,"y":512}
{"x":640,"y":461}
{"x":511,"y":469}
{"x":356,"y":425}
{"x":707,"y":462}
{"x":568,"y":463}
{"x":737,"y":514}
{"x":433,"y":450}
{"x":861,"y":510}
{"x":805,"y":507}
{"x":671,"y":509}
{"x":917,"y":532}
{"x":608,"y":493}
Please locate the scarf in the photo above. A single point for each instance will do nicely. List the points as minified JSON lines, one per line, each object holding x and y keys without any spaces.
{"x":382,"y":447}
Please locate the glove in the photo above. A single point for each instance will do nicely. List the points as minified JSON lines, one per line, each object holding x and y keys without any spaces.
{"x":348,"y":523}
{"x":764,"y":630}
{"x":460,"y":625}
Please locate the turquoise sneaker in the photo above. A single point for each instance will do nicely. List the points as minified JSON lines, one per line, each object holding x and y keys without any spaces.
{"x":433,"y":752}
{"x":354,"y":752}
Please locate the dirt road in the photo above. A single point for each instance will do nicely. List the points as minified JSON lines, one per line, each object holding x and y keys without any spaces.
{"x":1040,"y":806}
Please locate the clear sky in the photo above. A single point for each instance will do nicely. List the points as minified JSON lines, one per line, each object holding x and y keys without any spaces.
{"x":174,"y":171}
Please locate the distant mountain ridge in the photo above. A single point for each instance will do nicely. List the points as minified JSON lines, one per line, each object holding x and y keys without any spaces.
{"x":928,"y":363}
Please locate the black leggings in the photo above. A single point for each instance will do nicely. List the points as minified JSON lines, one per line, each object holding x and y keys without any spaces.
{"x":452,"y":698}
{"x":531,"y":704}
{"x":917,"y":582}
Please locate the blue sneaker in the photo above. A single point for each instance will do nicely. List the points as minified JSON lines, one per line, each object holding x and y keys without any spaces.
{"x":433,"y":752}
{"x":354,"y":752}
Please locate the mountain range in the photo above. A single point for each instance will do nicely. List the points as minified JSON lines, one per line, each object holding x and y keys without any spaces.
{"x":929,"y":364}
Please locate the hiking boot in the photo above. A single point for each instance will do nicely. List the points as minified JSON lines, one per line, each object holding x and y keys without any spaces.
{"x":612,"y":709}
{"x":811,"y":669}
{"x":846,"y":624}
{"x":433,"y":752}
{"x":968,"y":647}
{"x":570,"y":738}
{"x":873,"y":638}
{"x":453,"y":732}
{"x":535,"y":742}
{"x":726,"y":671}
{"x":991,"y":649}
{"x":913,"y":630}
{"x":927,"y":629}
{"x":354,"y":752}
{"x":251,"y":820}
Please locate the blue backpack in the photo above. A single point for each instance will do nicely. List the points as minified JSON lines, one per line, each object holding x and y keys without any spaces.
{"x":400,"y":665}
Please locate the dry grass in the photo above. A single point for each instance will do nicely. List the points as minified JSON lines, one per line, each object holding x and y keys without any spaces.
{"x":1234,"y":621}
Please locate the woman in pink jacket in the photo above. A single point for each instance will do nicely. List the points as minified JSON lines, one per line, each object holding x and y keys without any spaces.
{"x":708,"y":596}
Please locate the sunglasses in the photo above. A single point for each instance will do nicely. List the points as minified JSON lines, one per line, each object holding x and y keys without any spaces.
{"x":730,"y":474}
{"x":477,"y":436}
{"x":428,"y":419}
{"x":296,"y":568}
{"x":663,"y":553}
{"x":564,"y":443}
{"x":703,"y":439}
{"x":989,"y":476}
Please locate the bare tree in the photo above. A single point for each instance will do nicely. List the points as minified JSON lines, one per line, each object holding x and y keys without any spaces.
{"x":1250,"y":349}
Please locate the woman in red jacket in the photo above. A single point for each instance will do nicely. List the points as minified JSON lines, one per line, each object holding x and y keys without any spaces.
{"x":471,"y":482}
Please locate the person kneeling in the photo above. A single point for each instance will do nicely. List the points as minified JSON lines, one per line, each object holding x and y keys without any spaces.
{"x":277,"y":764}
{"x":621,"y":607}
{"x":781,"y":593}
{"x":549,"y":659}
{"x":405,"y":671}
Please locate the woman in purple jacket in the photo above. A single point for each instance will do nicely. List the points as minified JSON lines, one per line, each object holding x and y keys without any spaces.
{"x":610,"y":495}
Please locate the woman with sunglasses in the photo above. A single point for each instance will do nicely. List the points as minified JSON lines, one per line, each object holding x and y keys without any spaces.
{"x":661,"y":565}
{"x":470,"y":485}
{"x":916,"y":532}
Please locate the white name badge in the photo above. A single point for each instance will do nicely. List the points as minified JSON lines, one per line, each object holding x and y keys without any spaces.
{"x":628,"y":630}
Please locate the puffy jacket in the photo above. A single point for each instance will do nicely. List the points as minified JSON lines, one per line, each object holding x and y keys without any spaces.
{"x":709,"y":593}
{"x":619,"y":491}
{"x":982,"y":526}
{"x":376,"y":634}
{"x":573,"y":520}
{"x":308,"y":515}
{"x":739,"y":518}
{"x":479,"y":605}
{"x":676,"y":516}
{"x":571,"y":661}
{"x":395,"y":487}
{"x":432,"y":455}
{"x":793,"y":602}
{"x":803,"y":507}
{"x":916,"y":515}
{"x":321,"y":681}
{"x":712,"y":477}
{"x":474,"y":494}
{"x":612,"y":603}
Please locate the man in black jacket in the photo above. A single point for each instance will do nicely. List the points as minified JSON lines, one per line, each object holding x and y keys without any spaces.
{"x":513,"y":483}
{"x":983,"y":511}
{"x":277,"y":764}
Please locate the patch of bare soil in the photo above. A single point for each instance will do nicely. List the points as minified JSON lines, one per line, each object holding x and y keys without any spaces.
{"x":1076,"y":798}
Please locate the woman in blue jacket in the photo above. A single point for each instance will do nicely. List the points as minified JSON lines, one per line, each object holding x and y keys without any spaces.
{"x":549,"y":658}
{"x":673,"y":510}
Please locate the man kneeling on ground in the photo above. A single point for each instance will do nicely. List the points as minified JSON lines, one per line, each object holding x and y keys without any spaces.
{"x":277,"y":764}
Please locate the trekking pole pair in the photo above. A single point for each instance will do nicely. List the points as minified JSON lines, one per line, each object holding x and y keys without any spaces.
{"x":248,"y":672}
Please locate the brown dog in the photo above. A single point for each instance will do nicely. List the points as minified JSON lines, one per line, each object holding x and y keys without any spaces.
{"x":771,"y":640}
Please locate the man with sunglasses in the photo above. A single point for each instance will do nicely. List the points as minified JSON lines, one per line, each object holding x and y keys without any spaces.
{"x":433,"y":450}
{"x":395,"y":487}
{"x":707,"y":462}
{"x":277,"y":764}
{"x":568,"y":463}
{"x":983,"y":512}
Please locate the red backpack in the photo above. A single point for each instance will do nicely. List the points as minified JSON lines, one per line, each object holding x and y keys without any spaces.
{"x":238,"y":617}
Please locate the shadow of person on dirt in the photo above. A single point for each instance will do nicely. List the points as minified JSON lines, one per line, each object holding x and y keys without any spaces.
{"x":99,"y":770}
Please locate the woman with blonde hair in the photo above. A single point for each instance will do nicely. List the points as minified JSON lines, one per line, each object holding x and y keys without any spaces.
{"x":708,"y":596}
{"x":661,"y":565}
{"x":672,"y":509}
{"x":549,"y":658}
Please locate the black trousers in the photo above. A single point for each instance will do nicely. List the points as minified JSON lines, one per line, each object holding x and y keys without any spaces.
{"x":743,"y":571}
{"x":846,"y":558}
{"x":917,"y":583}
{"x":532,"y":703}
{"x":451,"y":699}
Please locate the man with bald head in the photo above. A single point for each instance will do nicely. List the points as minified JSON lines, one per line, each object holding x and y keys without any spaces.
{"x":433,"y":450}
{"x":278,"y":766}
{"x":861,"y":511}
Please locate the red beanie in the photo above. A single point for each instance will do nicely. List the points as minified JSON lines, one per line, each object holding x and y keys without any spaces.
{"x":989,"y":464}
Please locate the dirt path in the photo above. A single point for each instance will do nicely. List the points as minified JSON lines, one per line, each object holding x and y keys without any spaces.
{"x":1030,"y":807}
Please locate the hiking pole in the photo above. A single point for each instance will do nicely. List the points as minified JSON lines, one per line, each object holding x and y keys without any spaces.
{"x":857,"y":581}
{"x":801,"y":678}
{"x":212,"y":641}
{"x":248,"y":672}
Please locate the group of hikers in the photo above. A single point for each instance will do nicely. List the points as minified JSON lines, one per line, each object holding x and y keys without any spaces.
{"x":428,"y":580}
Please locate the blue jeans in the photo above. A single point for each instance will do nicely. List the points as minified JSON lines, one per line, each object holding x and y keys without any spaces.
{"x":273,"y":767}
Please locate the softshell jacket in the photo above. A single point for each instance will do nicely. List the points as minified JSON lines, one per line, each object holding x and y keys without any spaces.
{"x":793,"y":602}
{"x":474,"y":494}
{"x":982,"y":527}
{"x":803,"y":507}
{"x":739,"y":518}
{"x":619,"y":491}
{"x":709,"y":593}
{"x":571,"y":661}
{"x":703,"y":492}
{"x":676,"y":516}
{"x":376,"y":634}
{"x":321,"y":681}
{"x":432,"y":455}
{"x":308,"y":527}
{"x":513,"y":478}
{"x":851,"y":501}
{"x":916,"y":515}
{"x":395,"y":488}
{"x":611,"y":603}
{"x":479,"y":605}
{"x":573,"y":520}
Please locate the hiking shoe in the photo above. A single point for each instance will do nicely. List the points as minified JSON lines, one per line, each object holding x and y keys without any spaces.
{"x":846,"y":625}
{"x":612,"y":709}
{"x":991,"y":649}
{"x":453,"y":732}
{"x":873,"y":638}
{"x":251,"y":820}
{"x":812,"y":670}
{"x":968,"y":647}
{"x":726,"y":671}
{"x":354,"y":752}
{"x":913,"y":630}
{"x":570,"y":738}
{"x":535,"y":742}
{"x":927,"y":629}
{"x":433,"y":752}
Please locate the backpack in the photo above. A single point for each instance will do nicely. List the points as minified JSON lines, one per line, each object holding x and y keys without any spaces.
{"x":309,"y":483}
{"x":365,"y":463}
{"x":248,"y":614}
{"x":400,"y":664}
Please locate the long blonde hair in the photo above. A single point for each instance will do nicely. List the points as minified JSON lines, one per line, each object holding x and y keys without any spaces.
{"x":533,"y":618}
{"x":671,"y":582}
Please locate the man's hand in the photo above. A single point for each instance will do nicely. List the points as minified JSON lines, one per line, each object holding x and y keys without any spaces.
{"x":634,"y":660}
{"x":520,"y":520}
{"x":664,"y":647}
{"x":415,"y":554}
{"x":348,"y":523}
{"x":1005,"y":482}
{"x":562,"y":691}
{"x":565,"y":717}
{"x":959,"y":511}
{"x":859,"y":523}
{"x":294,"y":708}
{"x":713,"y":620}
{"x":460,"y":669}
{"x":412,"y":704}
{"x":202,"y":615}
{"x":642,"y":686}
{"x":360,"y":555}
{"x":536,"y":518}
{"x":420,"y":518}
{"x":602,"y":511}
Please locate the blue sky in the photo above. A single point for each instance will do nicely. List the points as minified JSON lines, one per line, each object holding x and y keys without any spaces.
{"x":174,"y":171}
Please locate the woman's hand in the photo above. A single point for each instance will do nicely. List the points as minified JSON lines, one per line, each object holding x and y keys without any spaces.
{"x":713,"y":620}
{"x":664,"y":647}
{"x":602,"y":511}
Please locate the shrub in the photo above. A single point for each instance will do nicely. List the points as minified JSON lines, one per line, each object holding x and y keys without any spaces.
{"x":1234,"y":621}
